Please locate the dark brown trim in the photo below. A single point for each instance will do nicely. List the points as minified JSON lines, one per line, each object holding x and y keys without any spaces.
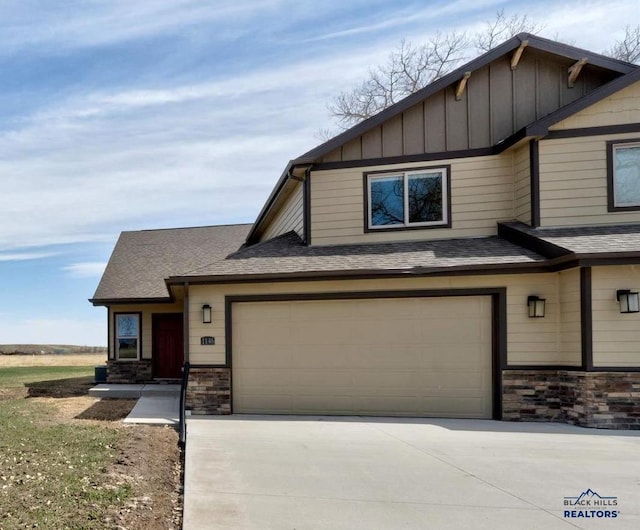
{"x":615,"y":369}
{"x":365,"y":179}
{"x":185,"y":321}
{"x":536,"y":244}
{"x":586,"y":318}
{"x":115,"y":330}
{"x":594,"y":131}
{"x":611,"y":206}
{"x":534,"y":169}
{"x":129,"y":301}
{"x":563,"y":367}
{"x":195,"y":366}
{"x":499,"y":347}
{"x":111,"y":348}
{"x":306,"y":202}
{"x":406,"y":159}
{"x":499,"y":321}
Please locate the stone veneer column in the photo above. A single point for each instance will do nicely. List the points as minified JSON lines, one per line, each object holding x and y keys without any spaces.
{"x":209,"y":390}
{"x":128,"y":371}
{"x":605,"y":400}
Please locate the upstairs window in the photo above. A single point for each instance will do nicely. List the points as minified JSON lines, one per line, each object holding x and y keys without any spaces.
{"x":408,"y":199}
{"x":623,"y":168}
{"x":127,"y":343}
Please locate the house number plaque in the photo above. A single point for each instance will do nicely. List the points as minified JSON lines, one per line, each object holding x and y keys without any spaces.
{"x":207,"y":341}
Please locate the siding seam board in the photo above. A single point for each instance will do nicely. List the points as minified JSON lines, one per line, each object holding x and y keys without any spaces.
{"x":586,"y":318}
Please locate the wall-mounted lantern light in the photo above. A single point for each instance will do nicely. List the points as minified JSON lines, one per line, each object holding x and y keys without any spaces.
{"x":536,"y":306}
{"x":629,"y":302}
{"x":206,"y":314}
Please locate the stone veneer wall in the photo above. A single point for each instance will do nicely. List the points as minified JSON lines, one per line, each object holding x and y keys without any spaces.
{"x":128,"y":371}
{"x":209,"y":391}
{"x":605,"y":400}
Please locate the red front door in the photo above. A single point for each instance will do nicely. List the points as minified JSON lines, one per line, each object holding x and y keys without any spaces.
{"x":168,"y":345}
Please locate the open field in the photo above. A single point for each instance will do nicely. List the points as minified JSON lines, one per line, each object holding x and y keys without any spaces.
{"x":50,"y":348}
{"x":67,"y":461}
{"x":71,"y":359}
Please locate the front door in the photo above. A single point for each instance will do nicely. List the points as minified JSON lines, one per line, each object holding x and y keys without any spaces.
{"x":168,"y":345}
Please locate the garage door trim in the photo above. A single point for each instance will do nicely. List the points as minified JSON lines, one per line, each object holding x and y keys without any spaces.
{"x":498,"y":318}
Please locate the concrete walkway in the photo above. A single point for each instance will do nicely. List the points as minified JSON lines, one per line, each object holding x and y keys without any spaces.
{"x":157,"y":404}
{"x":283,"y":472}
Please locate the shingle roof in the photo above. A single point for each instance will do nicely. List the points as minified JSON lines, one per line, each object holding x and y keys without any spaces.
{"x":587,"y":239}
{"x":287,"y":254}
{"x":142,"y":260}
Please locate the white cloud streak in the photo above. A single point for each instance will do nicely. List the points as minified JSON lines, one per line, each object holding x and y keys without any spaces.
{"x":88,"y":269}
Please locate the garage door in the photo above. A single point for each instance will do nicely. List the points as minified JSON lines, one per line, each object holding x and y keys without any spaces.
{"x":392,"y":356}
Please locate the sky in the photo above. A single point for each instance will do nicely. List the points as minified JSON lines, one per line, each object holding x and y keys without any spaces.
{"x":138,"y":114}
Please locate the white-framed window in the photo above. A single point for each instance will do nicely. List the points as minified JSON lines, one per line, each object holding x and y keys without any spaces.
{"x":407,"y":199}
{"x":623,"y":170}
{"x":127,"y":336}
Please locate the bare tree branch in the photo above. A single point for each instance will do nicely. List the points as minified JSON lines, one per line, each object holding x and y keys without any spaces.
{"x":503,"y":28}
{"x":627,"y":49}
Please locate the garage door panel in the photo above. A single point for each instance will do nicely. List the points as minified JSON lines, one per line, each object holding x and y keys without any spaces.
{"x":413,"y":357}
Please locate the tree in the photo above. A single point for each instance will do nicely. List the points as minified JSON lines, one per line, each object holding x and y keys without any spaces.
{"x":627,"y":49}
{"x":411,"y":67}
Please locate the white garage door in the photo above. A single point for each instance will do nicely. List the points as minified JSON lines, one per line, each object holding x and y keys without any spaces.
{"x":398,"y":356}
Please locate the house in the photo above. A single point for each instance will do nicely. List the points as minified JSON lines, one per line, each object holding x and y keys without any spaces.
{"x":472,"y":251}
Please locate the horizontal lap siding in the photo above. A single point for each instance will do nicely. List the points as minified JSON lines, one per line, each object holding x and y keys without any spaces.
{"x":573,"y":182}
{"x":147,"y":311}
{"x":621,"y":107}
{"x":481,"y":194}
{"x":289,"y":216}
{"x":570,"y":348}
{"x":522,"y":187}
{"x":616,"y":336}
{"x":530,"y":341}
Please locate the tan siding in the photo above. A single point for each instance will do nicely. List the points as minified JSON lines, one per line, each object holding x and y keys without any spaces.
{"x":147,"y":310}
{"x":570,"y":349}
{"x":289,"y":217}
{"x":573,"y":182}
{"x":530,"y":341}
{"x":481,"y":194}
{"x":621,"y":107}
{"x":522,"y":187}
{"x":616,"y":336}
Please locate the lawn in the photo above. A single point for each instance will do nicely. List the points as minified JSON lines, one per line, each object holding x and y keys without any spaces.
{"x":66,"y":461}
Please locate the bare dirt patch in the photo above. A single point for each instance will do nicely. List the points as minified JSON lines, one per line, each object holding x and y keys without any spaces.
{"x":146,"y":462}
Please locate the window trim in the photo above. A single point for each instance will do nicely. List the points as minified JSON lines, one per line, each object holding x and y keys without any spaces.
{"x":445,"y":170}
{"x":611,"y":148}
{"x":116,"y":354}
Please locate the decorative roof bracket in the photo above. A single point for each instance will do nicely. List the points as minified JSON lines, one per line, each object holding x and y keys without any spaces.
{"x":574,"y":71}
{"x":515,"y":59}
{"x":461,"y":85}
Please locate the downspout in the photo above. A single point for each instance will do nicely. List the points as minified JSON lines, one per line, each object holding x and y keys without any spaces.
{"x":185,"y":322}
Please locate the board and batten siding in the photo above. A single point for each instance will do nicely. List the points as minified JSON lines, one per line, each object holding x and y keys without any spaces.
{"x":147,"y":311}
{"x":481,"y":194}
{"x":616,"y":336}
{"x":573,"y":182}
{"x":522,"y":184}
{"x":529,"y":340}
{"x":497,"y":102}
{"x":619,"y":108}
{"x":290,"y":216}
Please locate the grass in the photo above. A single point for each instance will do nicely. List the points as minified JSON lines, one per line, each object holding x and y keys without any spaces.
{"x":53,"y":473}
{"x":74,"y":359}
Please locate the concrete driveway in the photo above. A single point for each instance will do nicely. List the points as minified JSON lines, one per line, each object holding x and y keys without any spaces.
{"x":285,"y":472}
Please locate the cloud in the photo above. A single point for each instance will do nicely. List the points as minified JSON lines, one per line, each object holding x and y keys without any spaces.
{"x":25,"y":256}
{"x":89,"y":269}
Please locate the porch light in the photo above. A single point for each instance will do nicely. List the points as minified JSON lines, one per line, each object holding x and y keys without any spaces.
{"x":629,"y":302}
{"x":536,"y":306}
{"x":206,"y":314}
